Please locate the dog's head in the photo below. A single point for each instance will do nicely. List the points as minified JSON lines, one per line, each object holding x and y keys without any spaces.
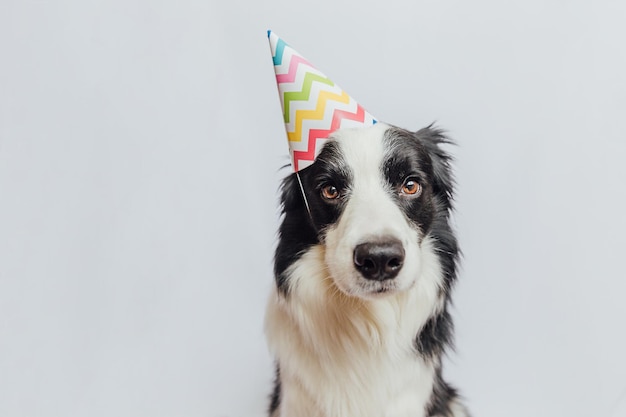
{"x":373,"y":196}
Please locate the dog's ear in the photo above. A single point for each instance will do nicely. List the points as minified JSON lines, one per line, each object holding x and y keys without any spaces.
{"x":433,"y":139}
{"x":290,"y":194}
{"x":296,"y":232}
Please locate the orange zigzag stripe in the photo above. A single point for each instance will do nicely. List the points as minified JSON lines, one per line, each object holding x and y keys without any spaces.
{"x":317,"y":113}
{"x":316,"y":134}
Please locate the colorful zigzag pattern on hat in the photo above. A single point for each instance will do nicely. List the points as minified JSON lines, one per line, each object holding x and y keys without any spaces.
{"x":313,"y":105}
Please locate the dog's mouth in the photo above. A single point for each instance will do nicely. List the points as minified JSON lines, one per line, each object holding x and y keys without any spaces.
{"x":378,"y":289}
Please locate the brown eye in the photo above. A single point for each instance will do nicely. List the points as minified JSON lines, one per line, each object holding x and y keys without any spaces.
{"x":411,"y":187}
{"x":330,"y":192}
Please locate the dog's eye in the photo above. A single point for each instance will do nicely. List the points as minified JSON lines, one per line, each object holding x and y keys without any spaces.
{"x":330,"y":192}
{"x":411,"y":187}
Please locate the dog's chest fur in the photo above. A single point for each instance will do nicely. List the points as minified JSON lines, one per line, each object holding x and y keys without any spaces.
{"x":343,"y":357}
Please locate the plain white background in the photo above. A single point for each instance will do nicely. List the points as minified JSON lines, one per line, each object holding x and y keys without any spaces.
{"x":140,"y":152}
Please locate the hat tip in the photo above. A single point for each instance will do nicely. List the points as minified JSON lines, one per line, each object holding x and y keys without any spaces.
{"x":269,"y":32}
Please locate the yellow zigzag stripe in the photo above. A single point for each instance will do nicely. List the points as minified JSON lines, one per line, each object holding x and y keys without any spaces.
{"x":316,"y":114}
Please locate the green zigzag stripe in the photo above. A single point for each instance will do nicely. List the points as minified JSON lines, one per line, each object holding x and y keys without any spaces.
{"x":304,"y":93}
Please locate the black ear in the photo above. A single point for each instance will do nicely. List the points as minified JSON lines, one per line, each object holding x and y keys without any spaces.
{"x":432,"y":139}
{"x":290,"y":194}
{"x":295,"y":233}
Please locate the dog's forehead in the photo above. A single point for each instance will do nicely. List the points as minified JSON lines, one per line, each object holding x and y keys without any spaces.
{"x":360,"y":136}
{"x":362,"y":146}
{"x":373,"y":146}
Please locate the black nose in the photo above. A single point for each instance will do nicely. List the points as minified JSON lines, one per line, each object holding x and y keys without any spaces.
{"x":379,"y":260}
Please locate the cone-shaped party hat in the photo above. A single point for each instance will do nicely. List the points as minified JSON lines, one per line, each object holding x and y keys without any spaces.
{"x":313,"y":105}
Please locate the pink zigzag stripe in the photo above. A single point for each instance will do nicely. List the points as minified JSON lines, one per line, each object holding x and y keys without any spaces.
{"x":315,"y":134}
{"x":293,"y":69}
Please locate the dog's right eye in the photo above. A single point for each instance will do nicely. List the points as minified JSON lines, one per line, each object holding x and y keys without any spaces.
{"x":411,"y":187}
{"x":330,"y":192}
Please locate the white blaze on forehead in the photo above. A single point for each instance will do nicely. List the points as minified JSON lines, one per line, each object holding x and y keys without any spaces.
{"x":363,"y":149}
{"x":371,"y":210}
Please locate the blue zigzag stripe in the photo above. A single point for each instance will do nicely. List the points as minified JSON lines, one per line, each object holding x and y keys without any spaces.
{"x":280,"y":48}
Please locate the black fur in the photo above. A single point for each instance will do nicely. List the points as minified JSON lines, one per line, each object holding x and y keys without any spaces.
{"x":296,"y":232}
{"x":409,"y":156}
{"x":435,"y":336}
{"x":442,"y":397}
{"x":275,"y":399}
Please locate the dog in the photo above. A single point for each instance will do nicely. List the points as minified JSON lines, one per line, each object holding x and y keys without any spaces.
{"x":364,"y":266}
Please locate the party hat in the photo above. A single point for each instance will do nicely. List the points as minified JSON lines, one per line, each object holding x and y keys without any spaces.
{"x":313,"y":105}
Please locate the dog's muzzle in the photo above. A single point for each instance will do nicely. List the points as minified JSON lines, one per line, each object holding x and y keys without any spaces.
{"x":379,"y":260}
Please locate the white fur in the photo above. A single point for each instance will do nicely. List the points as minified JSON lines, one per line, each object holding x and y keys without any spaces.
{"x":342,"y":350}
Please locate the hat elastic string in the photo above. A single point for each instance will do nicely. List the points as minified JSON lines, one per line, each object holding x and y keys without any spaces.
{"x":306,"y":203}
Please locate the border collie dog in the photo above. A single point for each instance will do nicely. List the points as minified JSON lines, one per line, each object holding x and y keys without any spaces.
{"x":364,"y":266}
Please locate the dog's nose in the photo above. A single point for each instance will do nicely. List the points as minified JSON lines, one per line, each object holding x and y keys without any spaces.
{"x":379,"y":260}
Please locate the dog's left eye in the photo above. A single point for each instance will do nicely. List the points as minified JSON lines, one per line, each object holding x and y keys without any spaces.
{"x":330,"y":192}
{"x":411,"y":187}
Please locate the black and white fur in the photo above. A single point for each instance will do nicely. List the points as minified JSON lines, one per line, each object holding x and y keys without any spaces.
{"x":359,"y":319}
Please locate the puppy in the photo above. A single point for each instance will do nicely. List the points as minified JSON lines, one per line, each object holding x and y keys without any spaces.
{"x":364,"y":267}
